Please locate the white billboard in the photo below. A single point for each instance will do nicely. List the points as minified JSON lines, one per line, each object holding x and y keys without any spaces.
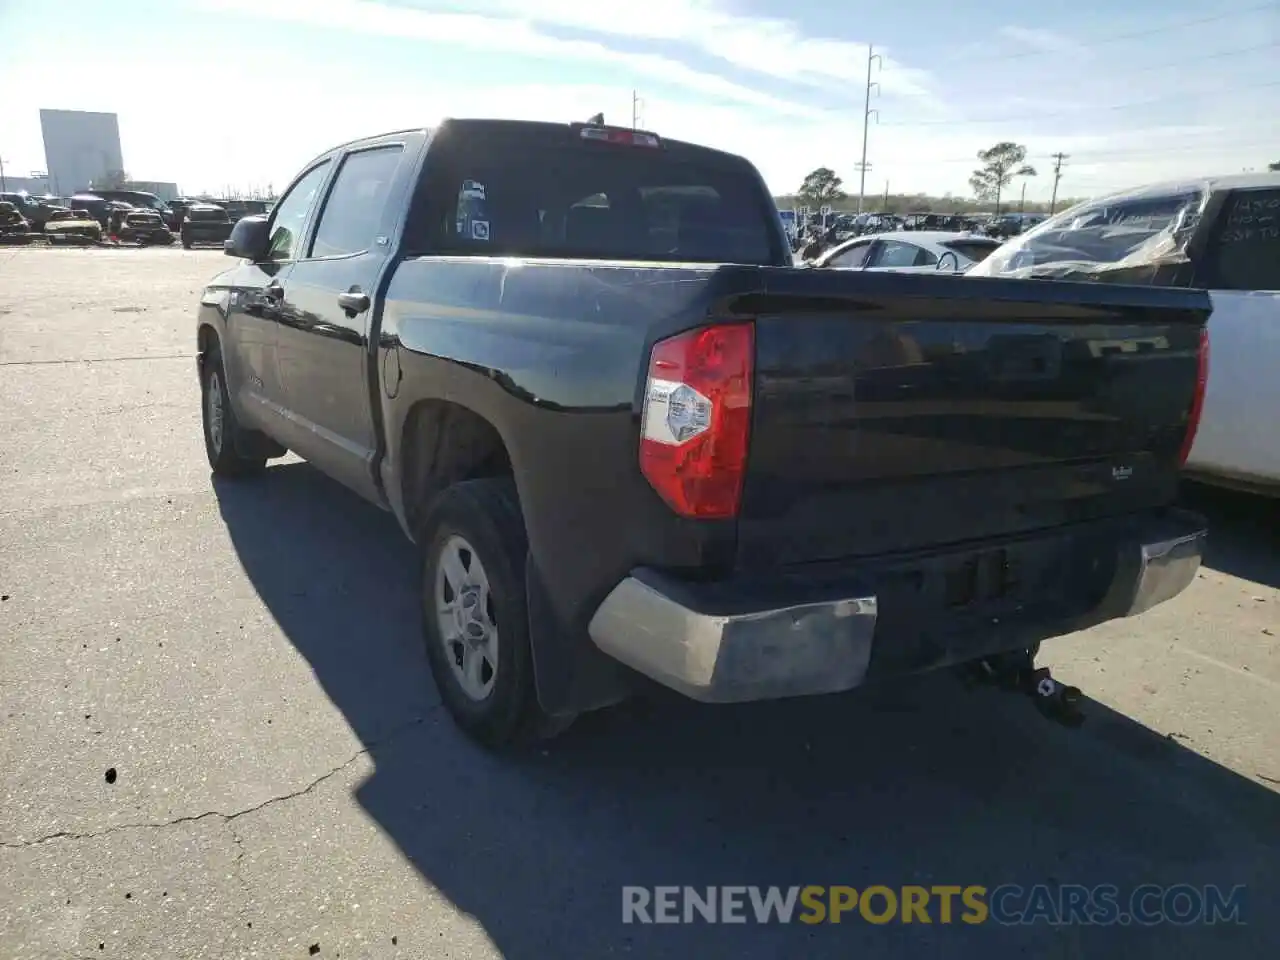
{"x":79,"y":147}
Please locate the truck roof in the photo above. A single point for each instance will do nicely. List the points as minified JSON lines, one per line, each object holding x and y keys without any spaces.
{"x":531,"y":127}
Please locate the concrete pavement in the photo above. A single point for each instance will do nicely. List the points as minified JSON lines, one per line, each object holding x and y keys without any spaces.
{"x":246,"y":659}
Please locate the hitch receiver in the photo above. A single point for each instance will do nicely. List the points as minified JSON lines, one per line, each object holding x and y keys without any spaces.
{"x":1016,"y":672}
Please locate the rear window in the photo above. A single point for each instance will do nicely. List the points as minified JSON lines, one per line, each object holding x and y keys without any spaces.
{"x":604,"y":201}
{"x":975,"y":250}
{"x":1117,"y":237}
{"x":195,"y":213}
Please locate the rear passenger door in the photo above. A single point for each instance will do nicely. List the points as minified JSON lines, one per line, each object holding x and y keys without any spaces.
{"x":1239,"y":433}
{"x":325,"y":322}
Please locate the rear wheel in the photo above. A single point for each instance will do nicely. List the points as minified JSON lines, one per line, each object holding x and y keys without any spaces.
{"x":220,"y":427}
{"x":475,"y":614}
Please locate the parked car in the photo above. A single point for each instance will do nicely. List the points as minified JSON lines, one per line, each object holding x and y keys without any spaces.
{"x":13,"y":226}
{"x":72,"y":227}
{"x":141,"y":200}
{"x":141,"y":227}
{"x":1219,"y":233}
{"x":911,"y":251}
{"x":95,"y":206}
{"x":576,"y":365}
{"x":205,"y":223}
{"x":34,"y":210}
{"x":237,"y":209}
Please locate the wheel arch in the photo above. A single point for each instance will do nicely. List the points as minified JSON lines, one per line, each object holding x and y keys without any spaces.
{"x":443,"y":442}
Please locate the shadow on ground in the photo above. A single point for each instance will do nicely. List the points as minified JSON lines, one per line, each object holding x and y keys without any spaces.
{"x":1244,"y":532}
{"x":919,"y":783}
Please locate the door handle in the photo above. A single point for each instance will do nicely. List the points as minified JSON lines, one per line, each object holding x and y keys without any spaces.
{"x":273,"y":291}
{"x":354,"y":301}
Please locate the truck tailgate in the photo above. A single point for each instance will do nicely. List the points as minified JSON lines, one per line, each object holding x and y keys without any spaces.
{"x":898,"y":413}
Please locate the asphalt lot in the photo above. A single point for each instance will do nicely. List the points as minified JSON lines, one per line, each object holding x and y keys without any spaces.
{"x":246,"y":658}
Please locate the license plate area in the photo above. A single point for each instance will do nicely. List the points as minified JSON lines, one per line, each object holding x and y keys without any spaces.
{"x":979,"y":578}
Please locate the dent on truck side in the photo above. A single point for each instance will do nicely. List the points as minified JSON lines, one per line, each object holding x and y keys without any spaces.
{"x":551,"y":356}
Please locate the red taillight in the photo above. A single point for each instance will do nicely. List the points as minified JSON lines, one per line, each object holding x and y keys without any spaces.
{"x":697,"y":419}
{"x":1197,"y":402}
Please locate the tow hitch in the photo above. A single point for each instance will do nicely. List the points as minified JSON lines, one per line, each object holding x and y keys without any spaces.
{"x":1016,"y":672}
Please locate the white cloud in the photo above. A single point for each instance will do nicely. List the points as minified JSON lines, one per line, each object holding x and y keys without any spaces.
{"x":1044,"y":41}
{"x":496,"y":34}
{"x":744,"y":111}
{"x":770,"y":46}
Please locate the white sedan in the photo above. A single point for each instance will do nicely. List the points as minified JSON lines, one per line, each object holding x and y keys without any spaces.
{"x":910,"y":250}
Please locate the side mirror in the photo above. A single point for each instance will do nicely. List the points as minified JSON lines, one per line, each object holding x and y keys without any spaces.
{"x":952,"y":261}
{"x":248,"y":240}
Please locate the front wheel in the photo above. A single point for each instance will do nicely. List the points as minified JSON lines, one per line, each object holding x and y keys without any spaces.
{"x":220,"y":426}
{"x":475,"y":614}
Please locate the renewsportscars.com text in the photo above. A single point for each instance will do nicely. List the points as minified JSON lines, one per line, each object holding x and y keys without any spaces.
{"x":1008,"y":904}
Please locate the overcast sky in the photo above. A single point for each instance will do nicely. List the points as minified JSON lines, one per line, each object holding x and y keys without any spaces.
{"x":216,"y":93}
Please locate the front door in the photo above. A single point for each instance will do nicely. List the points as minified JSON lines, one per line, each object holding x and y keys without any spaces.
{"x":323,"y":334}
{"x":255,"y":307}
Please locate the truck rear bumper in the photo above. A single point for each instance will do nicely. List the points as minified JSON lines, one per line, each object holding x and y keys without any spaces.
{"x":828,"y":631}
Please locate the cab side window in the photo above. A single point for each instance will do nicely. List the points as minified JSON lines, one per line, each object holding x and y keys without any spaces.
{"x":353,"y":213}
{"x":291,"y":214}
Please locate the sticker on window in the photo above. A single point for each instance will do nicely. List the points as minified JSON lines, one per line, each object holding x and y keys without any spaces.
{"x":473,"y":219}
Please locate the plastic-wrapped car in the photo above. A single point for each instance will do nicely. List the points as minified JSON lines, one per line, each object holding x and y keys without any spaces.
{"x":1218,"y":233}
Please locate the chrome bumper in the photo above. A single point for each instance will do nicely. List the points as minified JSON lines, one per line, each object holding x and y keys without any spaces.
{"x":1164,"y":568}
{"x":720,"y":655}
{"x":730,"y":657}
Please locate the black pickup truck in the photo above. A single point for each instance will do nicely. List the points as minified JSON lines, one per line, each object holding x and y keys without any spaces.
{"x":631,"y":439}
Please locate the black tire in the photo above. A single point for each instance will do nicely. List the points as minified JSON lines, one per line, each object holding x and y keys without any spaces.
{"x":220,"y":445}
{"x":485,"y":514}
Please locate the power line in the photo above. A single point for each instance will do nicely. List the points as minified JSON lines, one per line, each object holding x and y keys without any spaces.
{"x":1133,"y":35}
{"x":1070,"y":113}
{"x":1089,"y":157}
{"x":1183,"y":62}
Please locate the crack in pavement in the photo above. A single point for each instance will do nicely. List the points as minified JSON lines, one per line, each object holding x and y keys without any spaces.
{"x":50,"y":363}
{"x":218,"y":814}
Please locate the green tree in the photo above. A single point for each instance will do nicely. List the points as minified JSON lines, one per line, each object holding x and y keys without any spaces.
{"x":1000,"y":164}
{"x":821,"y":187}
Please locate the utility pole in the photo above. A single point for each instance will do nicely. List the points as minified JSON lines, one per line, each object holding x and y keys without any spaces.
{"x":3,"y":187}
{"x":636,"y":105}
{"x":1022,"y":201}
{"x":1057,"y":175}
{"x":872,"y":58}
{"x":885,"y":208}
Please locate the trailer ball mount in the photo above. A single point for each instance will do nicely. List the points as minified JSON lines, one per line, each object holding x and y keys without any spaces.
{"x":1016,"y":672}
